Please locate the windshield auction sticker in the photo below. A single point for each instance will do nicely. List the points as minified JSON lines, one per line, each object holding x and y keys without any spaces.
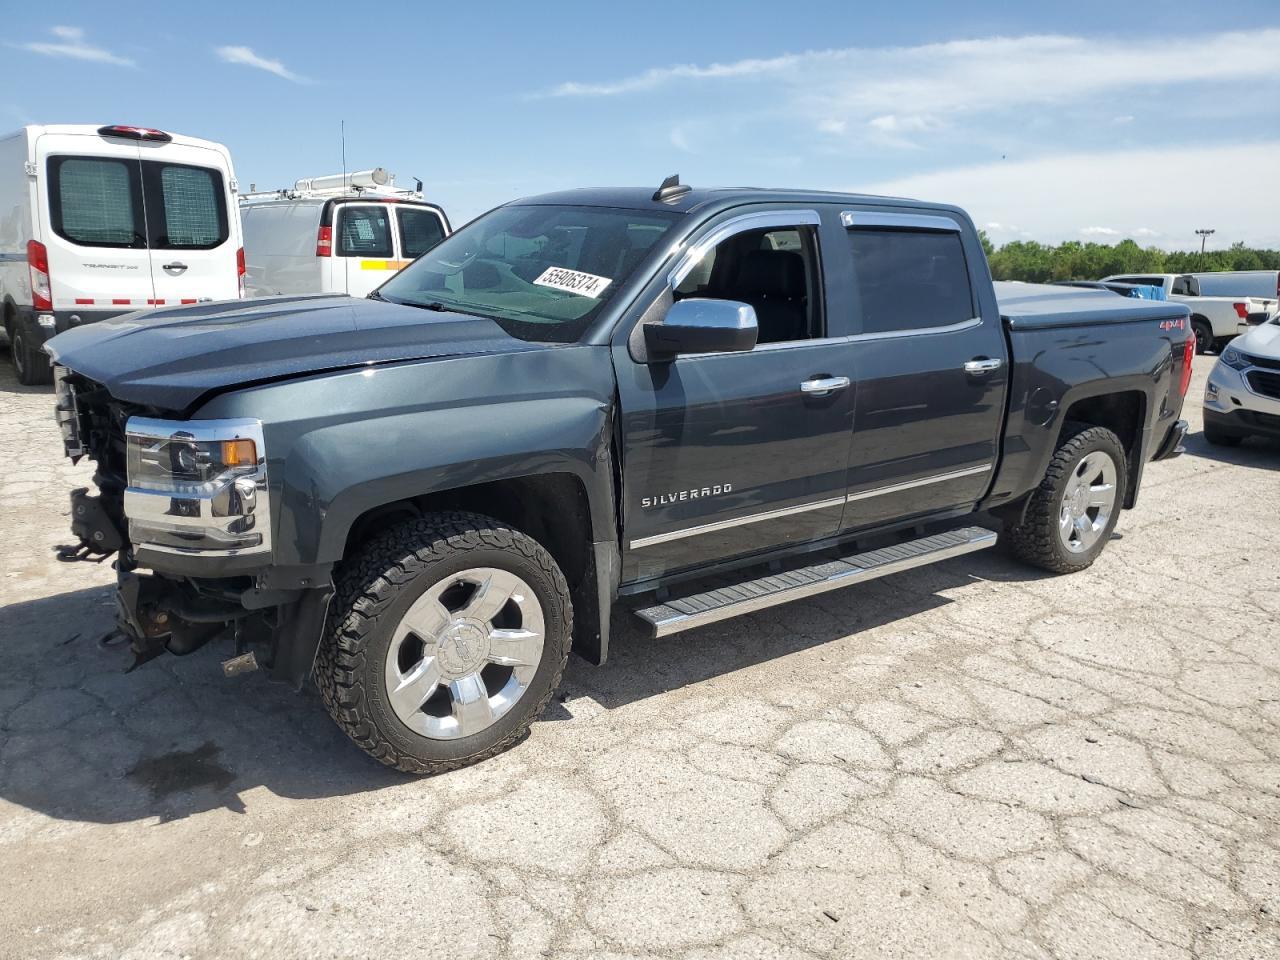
{"x":572,"y":281}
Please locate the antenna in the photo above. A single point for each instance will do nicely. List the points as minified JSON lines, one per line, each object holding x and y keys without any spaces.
{"x":670,"y":189}
{"x":342,"y":134}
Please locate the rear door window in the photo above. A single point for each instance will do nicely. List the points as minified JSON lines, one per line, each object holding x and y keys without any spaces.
{"x":910,"y":279}
{"x":190,"y":203}
{"x":96,"y":201}
{"x":420,"y":230}
{"x":364,"y":231}
{"x":109,"y":202}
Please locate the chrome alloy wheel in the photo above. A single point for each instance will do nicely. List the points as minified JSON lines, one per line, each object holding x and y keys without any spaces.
{"x":1087,"y":502}
{"x":464,"y":653}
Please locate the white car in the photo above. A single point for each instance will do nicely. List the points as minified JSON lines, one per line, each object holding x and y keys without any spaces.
{"x":345,"y":233}
{"x":1242,"y":397}
{"x":1215,"y":320}
{"x":99,"y":221}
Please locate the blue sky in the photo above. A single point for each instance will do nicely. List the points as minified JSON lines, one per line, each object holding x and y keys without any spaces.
{"x":1123,"y":119}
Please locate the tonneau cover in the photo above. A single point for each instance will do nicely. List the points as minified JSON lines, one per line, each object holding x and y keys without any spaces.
{"x":1036,"y":305}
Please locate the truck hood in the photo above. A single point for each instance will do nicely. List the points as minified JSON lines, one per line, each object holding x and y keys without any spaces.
{"x":171,"y":358}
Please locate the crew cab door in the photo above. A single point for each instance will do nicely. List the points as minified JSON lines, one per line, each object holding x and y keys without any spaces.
{"x":931,"y":368}
{"x":729,"y":454}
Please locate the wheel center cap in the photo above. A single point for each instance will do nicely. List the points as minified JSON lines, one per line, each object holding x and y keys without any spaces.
{"x":462,"y":648}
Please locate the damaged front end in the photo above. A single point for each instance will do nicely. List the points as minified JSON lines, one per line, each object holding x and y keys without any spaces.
{"x":189,"y":500}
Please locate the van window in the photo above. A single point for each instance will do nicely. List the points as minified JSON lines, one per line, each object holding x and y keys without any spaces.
{"x":910,"y":279}
{"x":364,"y":232}
{"x":96,"y":201}
{"x":100,"y":202}
{"x":420,"y":230}
{"x":193,"y":207}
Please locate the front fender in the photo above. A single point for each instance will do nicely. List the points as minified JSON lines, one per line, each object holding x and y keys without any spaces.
{"x":344,"y":443}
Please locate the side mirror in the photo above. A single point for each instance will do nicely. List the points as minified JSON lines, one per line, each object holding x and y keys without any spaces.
{"x":699,"y":325}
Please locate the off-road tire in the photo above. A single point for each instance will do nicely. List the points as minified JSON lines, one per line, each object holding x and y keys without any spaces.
{"x":1035,"y":540}
{"x":1220,"y":438}
{"x":374,"y":587}
{"x":30,"y":364}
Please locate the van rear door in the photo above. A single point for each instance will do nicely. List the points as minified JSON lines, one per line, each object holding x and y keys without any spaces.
{"x":193,"y":221}
{"x":363,"y":244}
{"x":92,"y":222}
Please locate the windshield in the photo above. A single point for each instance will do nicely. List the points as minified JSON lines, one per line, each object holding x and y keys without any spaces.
{"x":542,"y":272}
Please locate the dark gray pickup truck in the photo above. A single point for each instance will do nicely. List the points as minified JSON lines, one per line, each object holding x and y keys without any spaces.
{"x":427,"y":498}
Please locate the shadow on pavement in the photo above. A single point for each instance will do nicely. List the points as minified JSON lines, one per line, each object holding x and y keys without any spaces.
{"x":9,"y":381}
{"x":1252,"y":452}
{"x":641,"y":667}
{"x":81,"y":739}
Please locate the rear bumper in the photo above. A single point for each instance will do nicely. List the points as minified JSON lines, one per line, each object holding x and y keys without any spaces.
{"x":1171,"y":446}
{"x":47,"y":324}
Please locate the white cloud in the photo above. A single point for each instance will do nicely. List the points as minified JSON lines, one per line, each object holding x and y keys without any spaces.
{"x":891,"y":130}
{"x":963,"y":76}
{"x":246,"y":56}
{"x":892,"y":123}
{"x":679,"y":140}
{"x":1052,"y":196}
{"x":659,"y":76}
{"x":1123,"y":119}
{"x":71,"y":44}
{"x":1099,"y":232}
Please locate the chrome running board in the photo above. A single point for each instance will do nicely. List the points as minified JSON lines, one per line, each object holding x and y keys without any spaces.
{"x":722,"y":603}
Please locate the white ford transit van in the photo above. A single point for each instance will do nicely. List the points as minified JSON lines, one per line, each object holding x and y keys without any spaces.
{"x":99,"y":221}
{"x":337,"y":234}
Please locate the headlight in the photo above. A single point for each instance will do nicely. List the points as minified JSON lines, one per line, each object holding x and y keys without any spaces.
{"x":1235,"y":359}
{"x":197,"y":486}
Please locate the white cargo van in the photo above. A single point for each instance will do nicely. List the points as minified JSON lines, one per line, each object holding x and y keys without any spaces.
{"x":99,"y":221}
{"x":337,"y":234}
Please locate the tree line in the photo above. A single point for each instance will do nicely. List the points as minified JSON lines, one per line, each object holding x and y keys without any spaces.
{"x":1041,"y":263}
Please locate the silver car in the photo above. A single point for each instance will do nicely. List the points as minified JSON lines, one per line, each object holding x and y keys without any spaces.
{"x":1242,"y":397}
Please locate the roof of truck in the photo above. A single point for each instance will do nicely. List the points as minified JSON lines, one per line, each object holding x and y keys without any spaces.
{"x":699,"y":198}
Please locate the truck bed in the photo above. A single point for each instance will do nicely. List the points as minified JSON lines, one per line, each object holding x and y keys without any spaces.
{"x":1026,"y":306}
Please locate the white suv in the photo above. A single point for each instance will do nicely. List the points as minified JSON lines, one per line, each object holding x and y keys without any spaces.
{"x":1242,"y":397}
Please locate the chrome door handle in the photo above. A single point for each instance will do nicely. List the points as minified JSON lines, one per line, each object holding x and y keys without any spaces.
{"x":176,"y":267}
{"x":821,"y":386}
{"x":979,"y":367}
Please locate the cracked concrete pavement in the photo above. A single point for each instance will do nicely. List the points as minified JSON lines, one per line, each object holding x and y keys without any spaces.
{"x":968,"y":760}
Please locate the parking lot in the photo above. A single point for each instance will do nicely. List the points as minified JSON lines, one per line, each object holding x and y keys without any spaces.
{"x":972,"y":759}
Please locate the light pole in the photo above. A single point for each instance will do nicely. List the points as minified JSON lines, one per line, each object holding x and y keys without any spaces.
{"x":1204,"y":235}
